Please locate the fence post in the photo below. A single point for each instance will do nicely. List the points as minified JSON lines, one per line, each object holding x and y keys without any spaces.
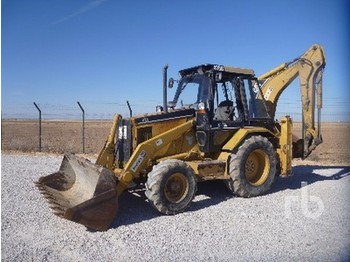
{"x":39,"y":125}
{"x":82,"y":109}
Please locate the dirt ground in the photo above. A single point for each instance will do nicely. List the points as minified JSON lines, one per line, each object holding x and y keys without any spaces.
{"x":66,"y":136}
{"x":56,"y":136}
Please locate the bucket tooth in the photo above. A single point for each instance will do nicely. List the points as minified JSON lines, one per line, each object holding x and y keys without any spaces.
{"x":53,"y":202}
{"x":49,"y":198}
{"x":46,"y":194}
{"x":56,"y":207}
{"x":41,"y":187}
{"x":58,"y":213}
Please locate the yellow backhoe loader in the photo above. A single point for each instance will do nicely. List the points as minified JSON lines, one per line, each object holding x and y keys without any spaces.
{"x":219,"y":125}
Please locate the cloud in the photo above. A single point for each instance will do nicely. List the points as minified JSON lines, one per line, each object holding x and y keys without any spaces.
{"x":88,"y":7}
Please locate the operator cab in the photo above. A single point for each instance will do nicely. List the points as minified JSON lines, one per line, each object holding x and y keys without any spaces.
{"x":224,"y":99}
{"x":228,"y":94}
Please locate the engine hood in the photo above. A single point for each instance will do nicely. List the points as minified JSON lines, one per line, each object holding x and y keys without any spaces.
{"x":157,"y":117}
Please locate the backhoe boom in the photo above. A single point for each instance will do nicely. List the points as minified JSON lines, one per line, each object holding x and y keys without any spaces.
{"x":309,"y":67}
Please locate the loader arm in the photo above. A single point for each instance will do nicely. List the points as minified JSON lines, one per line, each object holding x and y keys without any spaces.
{"x":146,"y":152}
{"x":309,"y":67}
{"x":106,"y":157}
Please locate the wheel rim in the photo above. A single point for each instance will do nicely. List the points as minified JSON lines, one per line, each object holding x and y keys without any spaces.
{"x":257,"y":167}
{"x":176,"y":188}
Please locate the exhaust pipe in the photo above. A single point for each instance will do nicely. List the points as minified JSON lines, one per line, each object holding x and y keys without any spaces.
{"x":165,"y":91}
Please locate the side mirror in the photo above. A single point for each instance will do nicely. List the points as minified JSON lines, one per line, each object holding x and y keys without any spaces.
{"x":171,"y":104}
{"x":159,"y":109}
{"x":171,"y":82}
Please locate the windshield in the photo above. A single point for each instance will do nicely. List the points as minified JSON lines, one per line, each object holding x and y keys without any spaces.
{"x":191,"y":90}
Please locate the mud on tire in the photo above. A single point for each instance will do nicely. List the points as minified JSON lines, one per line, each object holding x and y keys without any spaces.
{"x":252,"y":167}
{"x":171,"y":186}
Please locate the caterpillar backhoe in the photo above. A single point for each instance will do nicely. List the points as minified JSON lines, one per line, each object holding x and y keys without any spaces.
{"x":219,"y":125}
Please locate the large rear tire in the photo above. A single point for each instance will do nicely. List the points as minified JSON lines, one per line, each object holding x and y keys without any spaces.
{"x":252,"y":167}
{"x":171,"y":186}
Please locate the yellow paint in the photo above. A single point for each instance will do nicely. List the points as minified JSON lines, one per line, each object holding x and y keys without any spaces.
{"x":285,"y":152}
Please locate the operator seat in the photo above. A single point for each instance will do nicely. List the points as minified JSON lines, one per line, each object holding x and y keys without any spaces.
{"x":224,"y":112}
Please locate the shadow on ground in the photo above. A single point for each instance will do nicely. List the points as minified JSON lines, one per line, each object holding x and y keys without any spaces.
{"x":309,"y":175}
{"x":134,"y":208}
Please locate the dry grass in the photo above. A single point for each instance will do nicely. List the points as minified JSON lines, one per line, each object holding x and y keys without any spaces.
{"x":66,"y":136}
{"x":57,"y":136}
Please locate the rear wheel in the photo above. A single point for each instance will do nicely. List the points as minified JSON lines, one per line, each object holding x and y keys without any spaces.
{"x":171,"y":186}
{"x":252,"y":167}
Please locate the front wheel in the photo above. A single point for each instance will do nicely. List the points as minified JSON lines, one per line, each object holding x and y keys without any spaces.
{"x":171,"y":186}
{"x":252,"y":167}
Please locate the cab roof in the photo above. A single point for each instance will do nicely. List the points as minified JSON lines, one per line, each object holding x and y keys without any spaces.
{"x":216,"y":69}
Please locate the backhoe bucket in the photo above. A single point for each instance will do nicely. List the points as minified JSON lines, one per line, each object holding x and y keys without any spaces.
{"x":82,"y":192}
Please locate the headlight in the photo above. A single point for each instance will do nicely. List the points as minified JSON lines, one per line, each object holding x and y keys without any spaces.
{"x":201,"y":106}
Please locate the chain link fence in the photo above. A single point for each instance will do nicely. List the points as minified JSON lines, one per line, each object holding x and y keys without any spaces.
{"x":56,"y":136}
{"x":62,"y":125}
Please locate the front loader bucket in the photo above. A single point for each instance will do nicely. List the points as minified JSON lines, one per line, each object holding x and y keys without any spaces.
{"x":82,"y":192}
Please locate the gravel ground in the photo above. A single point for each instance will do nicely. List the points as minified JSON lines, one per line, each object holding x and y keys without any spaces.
{"x":310,"y":223}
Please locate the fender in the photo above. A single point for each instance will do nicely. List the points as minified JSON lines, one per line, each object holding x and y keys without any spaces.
{"x":237,"y":139}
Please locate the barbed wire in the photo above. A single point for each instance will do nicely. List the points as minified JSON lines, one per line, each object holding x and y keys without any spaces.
{"x":93,"y":110}
{"x":333,"y":109}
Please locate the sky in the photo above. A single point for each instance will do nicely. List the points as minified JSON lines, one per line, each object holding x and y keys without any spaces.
{"x":103,"y":53}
